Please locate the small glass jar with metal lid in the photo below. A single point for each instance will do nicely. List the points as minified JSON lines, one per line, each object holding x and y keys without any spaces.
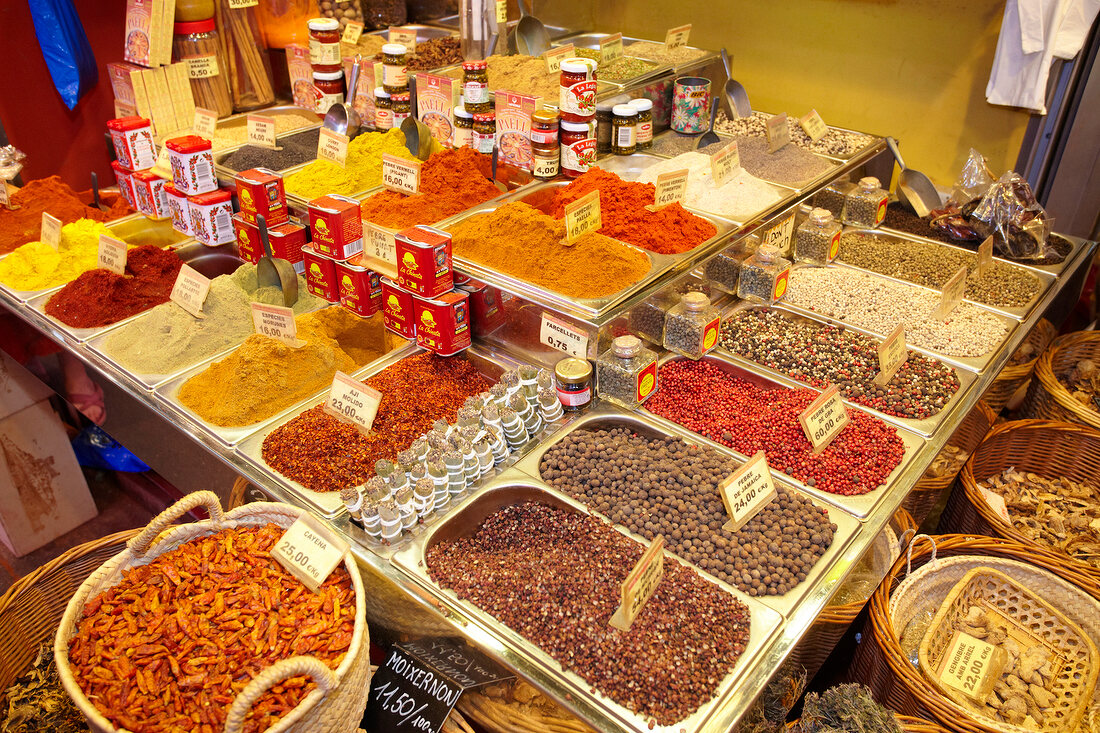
{"x":624,"y":129}
{"x":485,"y":132}
{"x":383,"y":109}
{"x":574,"y":383}
{"x":603,"y":127}
{"x":865,"y":206}
{"x":645,"y":122}
{"x":764,"y":276}
{"x":324,"y":44}
{"x":545,"y":148}
{"x":626,"y":374}
{"x":817,"y":240}
{"x":402,"y":108}
{"x":463,"y":136}
{"x":475,"y":86}
{"x":395,"y":67}
{"x":691,"y":326}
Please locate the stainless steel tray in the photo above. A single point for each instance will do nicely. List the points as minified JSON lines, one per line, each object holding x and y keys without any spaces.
{"x":862,"y":505}
{"x":328,"y":504}
{"x":1020,"y":313}
{"x":1076,"y":244}
{"x":654,"y":70}
{"x":973,"y":363}
{"x":80,"y":335}
{"x":567,"y":687}
{"x":875,"y":140}
{"x":241,"y":120}
{"x":25,"y":296}
{"x":226,"y":175}
{"x":659,"y":264}
{"x":137,"y":229}
{"x":926,"y":426}
{"x":423,"y":32}
{"x":606,"y":415}
{"x":703,"y":57}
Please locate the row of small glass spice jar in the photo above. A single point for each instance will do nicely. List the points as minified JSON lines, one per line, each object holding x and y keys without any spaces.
{"x":444,"y":464}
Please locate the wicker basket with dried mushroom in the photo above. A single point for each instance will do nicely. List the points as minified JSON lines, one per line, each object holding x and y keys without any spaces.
{"x":1056,"y":512}
{"x":1083,"y":383}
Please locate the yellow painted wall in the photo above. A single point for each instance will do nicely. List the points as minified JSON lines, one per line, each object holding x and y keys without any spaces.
{"x":914,"y":69}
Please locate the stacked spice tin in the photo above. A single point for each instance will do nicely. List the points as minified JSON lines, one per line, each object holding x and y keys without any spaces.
{"x":135,"y":154}
{"x":260,"y":193}
{"x":334,"y":270}
{"x":197,"y":205}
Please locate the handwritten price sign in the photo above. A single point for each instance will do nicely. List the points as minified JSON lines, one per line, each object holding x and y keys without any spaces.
{"x":352,"y":402}
{"x":582,"y":216}
{"x":640,"y":584}
{"x":747,"y":491}
{"x":400,"y":175}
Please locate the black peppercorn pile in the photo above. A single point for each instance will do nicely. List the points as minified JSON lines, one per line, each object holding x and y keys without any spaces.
{"x":820,"y":355}
{"x":932,"y":266}
{"x":664,"y":486}
{"x":555,"y":577}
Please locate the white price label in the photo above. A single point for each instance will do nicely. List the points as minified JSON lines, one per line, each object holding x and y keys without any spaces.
{"x":51,"y":230}
{"x":379,"y":242}
{"x":779,"y":234}
{"x":747,"y":491}
{"x":163,"y":165}
{"x":985,"y":256}
{"x":400,"y":175}
{"x":206,"y":121}
{"x":972,"y":666}
{"x":352,"y":401}
{"x":725,"y":163}
{"x":239,"y":4}
{"x":677,"y":37}
{"x":823,"y":420}
{"x":953,"y":292}
{"x":892,"y":353}
{"x":555,"y":56}
{"x":405,"y":36}
{"x":640,"y":584}
{"x":332,"y":146}
{"x":112,"y":254}
{"x":261,"y":130}
{"x":814,"y":126}
{"x":352,"y":31}
{"x":582,"y":216}
{"x":190,"y":291}
{"x":309,"y":552}
{"x":671,"y":187}
{"x":277,"y":322}
{"x":778,"y":132}
{"x":611,"y":48}
{"x":560,"y":335}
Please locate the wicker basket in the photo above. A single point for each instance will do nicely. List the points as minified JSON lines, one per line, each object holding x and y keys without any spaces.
{"x":908,"y":723}
{"x":1048,"y":398}
{"x":506,"y":708}
{"x":1012,"y":378}
{"x":928,"y":489}
{"x":833,"y":621}
{"x":1049,"y":449}
{"x":334,"y":706}
{"x":1030,"y":621}
{"x":895,"y":681}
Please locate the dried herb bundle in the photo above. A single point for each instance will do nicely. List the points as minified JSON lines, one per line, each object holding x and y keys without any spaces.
{"x":38,"y":702}
{"x":845,"y":709}
{"x":769,"y":713}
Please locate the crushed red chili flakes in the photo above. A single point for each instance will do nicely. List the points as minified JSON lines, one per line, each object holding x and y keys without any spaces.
{"x":749,"y":418}
{"x":326,"y":454}
{"x":171,"y":646}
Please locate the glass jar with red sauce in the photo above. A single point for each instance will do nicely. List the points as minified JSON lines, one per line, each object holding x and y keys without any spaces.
{"x":330,"y":89}
{"x":324,"y":44}
{"x":544,"y":143}
{"x":578,"y":147}
{"x":577,"y":95}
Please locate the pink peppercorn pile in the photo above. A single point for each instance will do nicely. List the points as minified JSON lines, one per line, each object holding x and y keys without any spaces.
{"x":748,"y":418}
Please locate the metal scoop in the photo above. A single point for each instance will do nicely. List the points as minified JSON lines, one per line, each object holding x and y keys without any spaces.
{"x":342,"y":117}
{"x":914,"y":189}
{"x":274,"y":271}
{"x":493,"y":167}
{"x":710,"y":136}
{"x":734,"y":93}
{"x":531,"y":36}
{"x":95,"y":193}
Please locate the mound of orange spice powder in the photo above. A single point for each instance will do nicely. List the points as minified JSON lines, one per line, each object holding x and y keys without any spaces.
{"x":52,"y":196}
{"x":451,"y":181}
{"x":669,"y":230}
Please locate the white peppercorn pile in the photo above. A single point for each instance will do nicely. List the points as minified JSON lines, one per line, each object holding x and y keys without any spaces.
{"x":932,"y":266}
{"x":837,"y":143}
{"x":878,"y":305}
{"x":790,"y":165}
{"x":664,"y":486}
{"x":555,"y":577}
{"x":820,"y":354}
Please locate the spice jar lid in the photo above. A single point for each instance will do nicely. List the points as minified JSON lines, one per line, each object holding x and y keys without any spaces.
{"x":194,"y":26}
{"x":121,"y":124}
{"x":695,"y":301}
{"x":400,"y":97}
{"x":484,"y":117}
{"x":869,"y":183}
{"x":624,"y":110}
{"x":188,"y":144}
{"x":460,"y":111}
{"x":475,"y":65}
{"x":545,"y":116}
{"x":578,"y":66}
{"x":574,"y":126}
{"x":821,"y":216}
{"x":394,"y":49}
{"x":572,"y":370}
{"x":768,"y":252}
{"x":328,"y":75}
{"x":323,"y":24}
{"x":641,"y":104}
{"x":381,"y":92}
{"x":626,"y":345}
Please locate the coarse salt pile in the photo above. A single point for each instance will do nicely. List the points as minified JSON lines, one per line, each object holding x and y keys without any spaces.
{"x":741,"y":197}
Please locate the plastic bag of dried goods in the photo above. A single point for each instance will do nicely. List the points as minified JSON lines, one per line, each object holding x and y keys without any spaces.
{"x":974,"y":179}
{"x":1018,"y":223}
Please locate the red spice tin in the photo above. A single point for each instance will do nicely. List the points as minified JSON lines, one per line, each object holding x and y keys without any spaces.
{"x":192,"y":164}
{"x":487,"y":311}
{"x":424,"y":261}
{"x":178,"y":209}
{"x":260,"y":191}
{"x":443,"y":323}
{"x":249,"y":247}
{"x":397,"y":309}
{"x":337,"y":226}
{"x":132,"y":138}
{"x":321,"y":275}
{"x":360,"y":287}
{"x":125,"y":179}
{"x":287,"y":241}
{"x":149,"y":192}
{"x":211,"y":217}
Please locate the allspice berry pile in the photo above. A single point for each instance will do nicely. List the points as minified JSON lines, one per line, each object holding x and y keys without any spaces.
{"x":664,"y":486}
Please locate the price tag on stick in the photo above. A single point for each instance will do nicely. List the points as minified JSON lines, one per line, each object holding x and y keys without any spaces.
{"x":332,"y":146}
{"x":277,"y":322}
{"x":671,"y":189}
{"x":352,"y":401}
{"x":814,"y":126}
{"x":309,"y":552}
{"x":190,"y":291}
{"x":611,"y":48}
{"x":563,"y":337}
{"x":985,"y":256}
{"x":582,"y":216}
{"x":206,"y":121}
{"x":892,"y":353}
{"x":953,"y":292}
{"x":823,"y":420}
{"x":379,"y":242}
{"x":112,"y":254}
{"x":779,"y":234}
{"x":51,"y":230}
{"x":747,"y":491}
{"x":725,"y":163}
{"x":502,"y":11}
{"x":352,"y":31}
{"x":972,"y":666}
{"x":400,"y":175}
{"x":677,"y":37}
{"x":261,"y":131}
{"x":640,"y":584}
{"x":405,"y":36}
{"x":778,"y":132}
{"x":555,"y":56}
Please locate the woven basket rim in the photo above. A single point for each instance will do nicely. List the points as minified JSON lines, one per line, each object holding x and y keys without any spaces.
{"x":1044,"y":370}
{"x":1016,"y":371}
